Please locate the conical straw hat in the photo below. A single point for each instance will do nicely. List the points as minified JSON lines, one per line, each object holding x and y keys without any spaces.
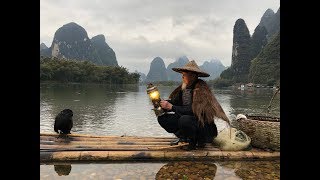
{"x":191,"y":67}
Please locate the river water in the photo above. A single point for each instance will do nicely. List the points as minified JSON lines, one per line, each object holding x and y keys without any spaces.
{"x":126,"y":110}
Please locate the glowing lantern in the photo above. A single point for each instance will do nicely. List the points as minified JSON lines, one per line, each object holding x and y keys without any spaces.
{"x":154,"y":95}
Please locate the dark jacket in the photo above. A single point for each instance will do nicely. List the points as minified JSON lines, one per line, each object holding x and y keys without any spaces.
{"x":204,"y":104}
{"x":205,"y":133}
{"x":177,"y":106}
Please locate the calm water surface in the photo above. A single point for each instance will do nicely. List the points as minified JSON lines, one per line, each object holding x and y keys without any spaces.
{"x":126,"y":110}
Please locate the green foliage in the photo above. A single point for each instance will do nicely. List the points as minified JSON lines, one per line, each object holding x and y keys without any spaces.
{"x":230,"y":76}
{"x":271,"y":82}
{"x":258,"y":40}
{"x":227,"y":74}
{"x":163,"y":83}
{"x":220,"y":83}
{"x":265,"y":68}
{"x":62,"y":70}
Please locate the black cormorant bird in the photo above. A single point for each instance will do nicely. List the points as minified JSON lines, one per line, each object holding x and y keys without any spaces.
{"x":63,"y":122}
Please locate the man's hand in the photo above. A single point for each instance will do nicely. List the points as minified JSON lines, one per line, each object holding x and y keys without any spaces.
{"x":165,"y":105}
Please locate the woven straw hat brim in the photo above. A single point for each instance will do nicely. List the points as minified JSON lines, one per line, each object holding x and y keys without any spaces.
{"x":187,"y":69}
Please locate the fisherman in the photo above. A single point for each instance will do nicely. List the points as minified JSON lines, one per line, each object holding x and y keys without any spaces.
{"x":194,"y":107}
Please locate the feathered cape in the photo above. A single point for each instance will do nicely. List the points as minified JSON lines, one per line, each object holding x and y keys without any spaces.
{"x":204,"y":104}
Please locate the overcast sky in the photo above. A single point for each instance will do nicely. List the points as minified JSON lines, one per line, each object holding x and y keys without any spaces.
{"x":140,"y":30}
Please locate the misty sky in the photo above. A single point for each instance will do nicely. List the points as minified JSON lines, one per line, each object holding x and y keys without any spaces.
{"x":140,"y":30}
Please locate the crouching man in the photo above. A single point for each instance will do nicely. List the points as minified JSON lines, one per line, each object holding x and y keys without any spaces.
{"x":195,"y":107}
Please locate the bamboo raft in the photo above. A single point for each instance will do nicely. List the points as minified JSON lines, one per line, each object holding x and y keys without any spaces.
{"x":78,"y":147}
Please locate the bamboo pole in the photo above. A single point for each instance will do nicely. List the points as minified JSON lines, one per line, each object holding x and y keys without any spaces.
{"x":264,"y":155}
{"x":237,"y":155}
{"x":109,"y":137}
{"x":121,"y":147}
{"x":269,"y":106}
{"x":96,"y":136}
{"x":104,"y":143}
{"x":154,"y":155}
{"x":150,"y":139}
{"x":113,"y":142}
{"x":169,"y":146}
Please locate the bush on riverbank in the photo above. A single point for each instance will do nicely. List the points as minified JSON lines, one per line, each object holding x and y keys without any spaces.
{"x":62,"y":70}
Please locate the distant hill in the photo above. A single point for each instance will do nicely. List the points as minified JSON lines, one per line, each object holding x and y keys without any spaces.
{"x":43,"y":46}
{"x":245,"y":48}
{"x":213,"y":67}
{"x":172,"y":75}
{"x":158,"y":71}
{"x":105,"y":53}
{"x":265,"y":68}
{"x":71,"y":41}
{"x":258,"y":40}
{"x":241,"y":54}
{"x":271,"y":21}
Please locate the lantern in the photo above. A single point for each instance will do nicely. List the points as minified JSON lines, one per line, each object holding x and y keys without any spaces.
{"x":154,"y":95}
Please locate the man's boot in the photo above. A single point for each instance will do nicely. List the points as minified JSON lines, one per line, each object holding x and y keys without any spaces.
{"x":192,"y":145}
{"x":201,"y":144}
{"x":181,"y":138}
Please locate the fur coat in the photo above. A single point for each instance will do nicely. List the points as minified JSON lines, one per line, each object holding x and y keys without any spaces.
{"x":204,"y":104}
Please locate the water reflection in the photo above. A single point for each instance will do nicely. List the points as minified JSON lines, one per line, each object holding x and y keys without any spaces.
{"x":218,"y":170}
{"x":254,"y":169}
{"x":187,"y":170}
{"x":62,"y":169}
